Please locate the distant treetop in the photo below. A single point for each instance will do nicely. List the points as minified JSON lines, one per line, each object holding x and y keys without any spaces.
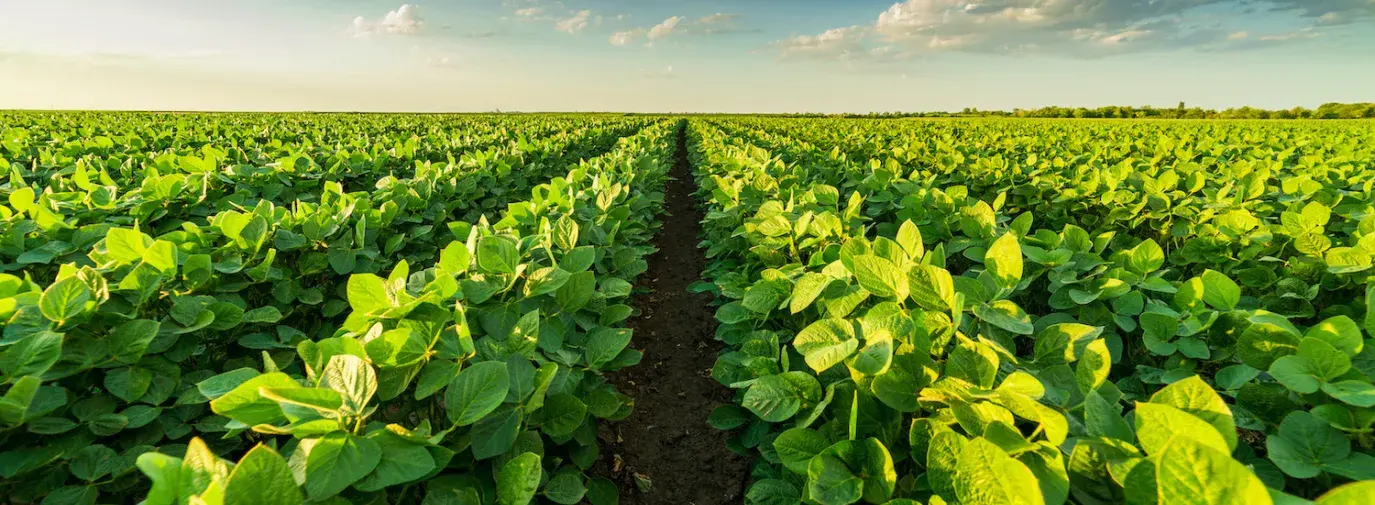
{"x":1325,"y":111}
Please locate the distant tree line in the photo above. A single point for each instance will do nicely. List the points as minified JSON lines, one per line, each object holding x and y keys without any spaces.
{"x":1324,"y":111}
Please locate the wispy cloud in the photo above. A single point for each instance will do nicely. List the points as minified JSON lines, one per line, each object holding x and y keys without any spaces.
{"x":405,"y":20}
{"x":575,"y":23}
{"x":1076,"y":28}
{"x":715,"y":24}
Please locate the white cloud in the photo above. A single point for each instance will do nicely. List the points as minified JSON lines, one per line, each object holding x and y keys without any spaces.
{"x":405,"y":20}
{"x":663,"y":29}
{"x":1081,"y":28}
{"x":626,"y":37}
{"x":530,"y":12}
{"x":836,"y":43}
{"x":574,"y":24}
{"x":674,"y":26}
{"x":718,"y":18}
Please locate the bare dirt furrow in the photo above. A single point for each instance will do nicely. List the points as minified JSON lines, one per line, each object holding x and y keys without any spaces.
{"x":666,"y":441}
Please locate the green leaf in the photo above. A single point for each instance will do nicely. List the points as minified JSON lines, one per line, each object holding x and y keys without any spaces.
{"x":604,"y":344}
{"x":1304,"y":444}
{"x":797,"y":446}
{"x":352,"y":378}
{"x":518,"y":480}
{"x":1352,"y":392}
{"x":1341,"y":332}
{"x":1355,"y":493}
{"x":1004,"y":261}
{"x":320,"y":399}
{"x":335,"y":462}
{"x":563,"y":414}
{"x":601,"y":491}
{"x":1196,"y":397}
{"x":830,"y":482}
{"x":402,"y":461}
{"x":1006,"y":315}
{"x":128,"y":383}
{"x":497,"y":254}
{"x":130,"y":340}
{"x":22,"y":199}
{"x":32,"y":355}
{"x":1219,"y":291}
{"x":1092,"y":370}
{"x":455,"y":258}
{"x":126,"y":245}
{"x":367,"y":294}
{"x":985,"y":475}
{"x":246,"y":405}
{"x":1102,"y":419}
{"x":773,"y":492}
{"x":1157,"y":426}
{"x":1195,"y":474}
{"x":576,"y":292}
{"x":566,"y":488}
{"x":262,"y":477}
{"x":435,"y":376}
{"x":909,"y":237}
{"x":64,"y":299}
{"x":1146,"y":257}
{"x":931,"y":287}
{"x":165,"y":472}
{"x":880,"y":277}
{"x":826,"y":343}
{"x":773,"y":399}
{"x":476,"y":392}
{"x":1296,"y":373}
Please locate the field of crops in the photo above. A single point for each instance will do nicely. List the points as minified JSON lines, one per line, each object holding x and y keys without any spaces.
{"x":485,"y":309}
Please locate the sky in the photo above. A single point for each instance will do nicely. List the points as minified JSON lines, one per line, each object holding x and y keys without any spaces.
{"x":682,"y":55}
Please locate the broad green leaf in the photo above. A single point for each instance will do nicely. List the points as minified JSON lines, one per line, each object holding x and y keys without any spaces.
{"x":931,"y":287}
{"x":518,"y":480}
{"x":402,"y":461}
{"x":31,"y":355}
{"x":773,"y":399}
{"x":497,"y":254}
{"x":1304,"y":444}
{"x":476,"y":392}
{"x":335,"y":462}
{"x":1004,"y":260}
{"x":64,"y":299}
{"x":1355,"y":493}
{"x":1159,"y":425}
{"x":1195,"y":474}
{"x":985,"y":475}
{"x":797,"y":446}
{"x":246,"y":405}
{"x":1007,"y":315}
{"x":1196,"y":397}
{"x":826,"y":343}
{"x":1219,"y":291}
{"x":352,"y":378}
{"x":262,"y":477}
{"x":880,"y":277}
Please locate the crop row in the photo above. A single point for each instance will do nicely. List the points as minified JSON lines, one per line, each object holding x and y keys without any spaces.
{"x":1041,"y":312}
{"x":213,"y":310}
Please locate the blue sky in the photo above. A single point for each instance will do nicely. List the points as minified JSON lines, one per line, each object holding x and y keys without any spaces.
{"x":686,"y":55}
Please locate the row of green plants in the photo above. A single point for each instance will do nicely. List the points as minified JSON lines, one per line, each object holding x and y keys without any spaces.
{"x":245,"y":332}
{"x":946,"y":346}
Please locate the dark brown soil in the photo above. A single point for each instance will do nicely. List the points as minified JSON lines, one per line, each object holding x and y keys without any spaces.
{"x":666,"y":439}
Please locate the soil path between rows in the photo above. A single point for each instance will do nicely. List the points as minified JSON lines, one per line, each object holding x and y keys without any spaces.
{"x":666,"y":439}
